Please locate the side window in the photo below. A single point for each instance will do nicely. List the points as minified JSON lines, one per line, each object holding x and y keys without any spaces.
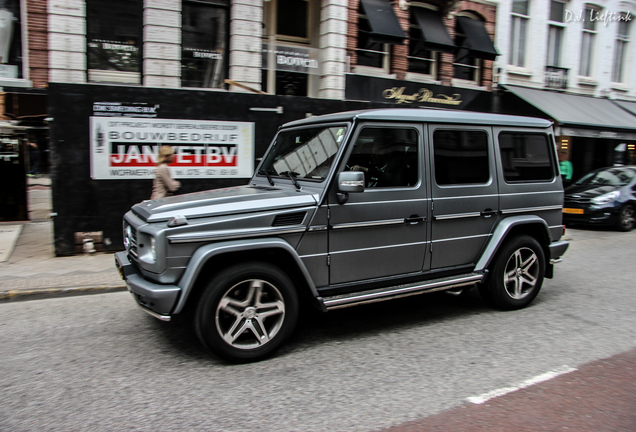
{"x":388,"y":157}
{"x":461,"y":157}
{"x":525,"y":157}
{"x":114,"y":32}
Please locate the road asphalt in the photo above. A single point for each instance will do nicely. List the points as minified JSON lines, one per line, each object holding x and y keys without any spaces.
{"x":597,"y":396}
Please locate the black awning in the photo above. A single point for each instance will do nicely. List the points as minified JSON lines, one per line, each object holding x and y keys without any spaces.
{"x":477,"y":40}
{"x":385,"y":27}
{"x":436,"y":36}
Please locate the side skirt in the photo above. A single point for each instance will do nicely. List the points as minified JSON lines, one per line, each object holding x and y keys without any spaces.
{"x":397,"y":291}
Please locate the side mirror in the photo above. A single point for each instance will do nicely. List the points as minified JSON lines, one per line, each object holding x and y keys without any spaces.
{"x":349,"y":182}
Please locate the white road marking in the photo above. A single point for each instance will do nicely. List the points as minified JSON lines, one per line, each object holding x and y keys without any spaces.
{"x":527,"y":383}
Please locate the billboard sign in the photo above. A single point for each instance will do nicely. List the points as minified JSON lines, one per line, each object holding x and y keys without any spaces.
{"x":126,"y":148}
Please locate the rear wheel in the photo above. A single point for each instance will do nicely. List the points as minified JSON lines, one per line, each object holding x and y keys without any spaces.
{"x":516,"y":274}
{"x":625,"y":221}
{"x":247,"y":312}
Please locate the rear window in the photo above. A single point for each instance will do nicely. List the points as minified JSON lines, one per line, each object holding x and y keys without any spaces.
{"x":525,"y":157}
{"x":461,"y":157}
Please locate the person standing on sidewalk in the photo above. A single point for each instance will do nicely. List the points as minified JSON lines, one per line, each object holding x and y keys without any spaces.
{"x":34,"y":159}
{"x":565,"y":166}
{"x":164,"y":185}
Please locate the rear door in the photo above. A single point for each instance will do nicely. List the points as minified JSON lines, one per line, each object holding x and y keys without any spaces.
{"x":464,"y":193}
{"x":381,"y":232}
{"x":529,"y":181}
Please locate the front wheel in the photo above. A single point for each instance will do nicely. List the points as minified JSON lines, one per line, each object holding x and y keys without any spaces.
{"x":625,"y":221}
{"x":516,"y":275}
{"x":246,"y":312}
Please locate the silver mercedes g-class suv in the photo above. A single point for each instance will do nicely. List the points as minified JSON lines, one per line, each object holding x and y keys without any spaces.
{"x":352,"y":208}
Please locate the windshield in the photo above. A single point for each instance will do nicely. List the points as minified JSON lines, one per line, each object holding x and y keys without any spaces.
{"x":611,"y":177}
{"x":306,"y":153}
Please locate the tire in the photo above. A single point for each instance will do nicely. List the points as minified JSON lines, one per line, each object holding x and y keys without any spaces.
{"x":246,"y":312}
{"x":516,"y":275}
{"x":625,"y":219}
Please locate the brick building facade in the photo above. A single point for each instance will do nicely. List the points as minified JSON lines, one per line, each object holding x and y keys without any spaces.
{"x":399,"y":65}
{"x":56,"y":40}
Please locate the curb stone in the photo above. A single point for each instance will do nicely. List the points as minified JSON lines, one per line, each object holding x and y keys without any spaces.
{"x":37,"y":294}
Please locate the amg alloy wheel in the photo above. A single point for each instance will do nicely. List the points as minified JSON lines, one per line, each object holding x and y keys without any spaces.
{"x":516,"y":275}
{"x":247,"y":312}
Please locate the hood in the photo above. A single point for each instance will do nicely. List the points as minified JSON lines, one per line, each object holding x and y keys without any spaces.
{"x":217,"y":202}
{"x":587,"y":191}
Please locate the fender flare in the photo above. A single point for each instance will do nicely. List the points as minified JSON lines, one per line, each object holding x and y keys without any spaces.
{"x":206,"y":252}
{"x":499,"y":236}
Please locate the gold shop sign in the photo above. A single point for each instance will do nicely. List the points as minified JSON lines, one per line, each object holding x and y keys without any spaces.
{"x":423,"y":95}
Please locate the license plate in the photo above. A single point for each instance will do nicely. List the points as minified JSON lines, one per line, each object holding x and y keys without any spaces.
{"x":573,"y":211}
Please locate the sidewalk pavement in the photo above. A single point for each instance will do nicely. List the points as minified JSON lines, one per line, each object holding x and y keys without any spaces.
{"x":29,"y":268}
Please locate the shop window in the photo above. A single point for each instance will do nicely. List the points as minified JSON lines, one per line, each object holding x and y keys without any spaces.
{"x":291,"y":18}
{"x":10,"y":41}
{"x":520,"y":18}
{"x":525,"y":157}
{"x":370,"y":53}
{"x":620,"y":49}
{"x":465,"y":66}
{"x":461,"y":157}
{"x":378,"y":27}
{"x":204,"y":44}
{"x":587,"y":44}
{"x":290,"y":62}
{"x":114,"y":30}
{"x":555,"y":33}
{"x":474,"y":45}
{"x":291,"y":83}
{"x":422,"y":60}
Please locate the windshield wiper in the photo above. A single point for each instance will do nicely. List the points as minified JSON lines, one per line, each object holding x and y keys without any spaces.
{"x":292,"y":176}
{"x":269,"y":177}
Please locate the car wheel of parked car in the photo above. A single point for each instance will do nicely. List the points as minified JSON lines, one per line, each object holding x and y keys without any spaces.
{"x":625,"y":221}
{"x":516,"y":274}
{"x":247,"y":311}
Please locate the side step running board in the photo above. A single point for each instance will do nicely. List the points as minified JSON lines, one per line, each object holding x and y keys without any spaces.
{"x":388,"y":293}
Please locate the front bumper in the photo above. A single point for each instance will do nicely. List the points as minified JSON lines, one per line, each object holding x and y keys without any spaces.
{"x":589,"y":215}
{"x":156,"y":299}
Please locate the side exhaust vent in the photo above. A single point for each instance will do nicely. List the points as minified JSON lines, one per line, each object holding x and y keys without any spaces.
{"x":289,"y":219}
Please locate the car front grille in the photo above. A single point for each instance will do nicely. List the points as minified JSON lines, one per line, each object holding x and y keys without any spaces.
{"x":130,"y":240}
{"x":576,"y":200}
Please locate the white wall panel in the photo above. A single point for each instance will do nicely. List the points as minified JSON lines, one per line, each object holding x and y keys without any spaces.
{"x":67,"y":7}
{"x":67,"y":24}
{"x":67,"y":42}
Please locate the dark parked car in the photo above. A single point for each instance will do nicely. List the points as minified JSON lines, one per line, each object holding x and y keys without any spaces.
{"x":604,"y":196}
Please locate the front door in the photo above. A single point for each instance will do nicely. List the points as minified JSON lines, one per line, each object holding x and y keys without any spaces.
{"x":382,"y":231}
{"x":464,"y":191}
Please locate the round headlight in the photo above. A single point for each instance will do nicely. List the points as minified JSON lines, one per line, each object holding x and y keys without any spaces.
{"x":128,"y":237}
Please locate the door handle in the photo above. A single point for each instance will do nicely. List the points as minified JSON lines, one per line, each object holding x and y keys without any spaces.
{"x":413,"y":220}
{"x":488,"y":213}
